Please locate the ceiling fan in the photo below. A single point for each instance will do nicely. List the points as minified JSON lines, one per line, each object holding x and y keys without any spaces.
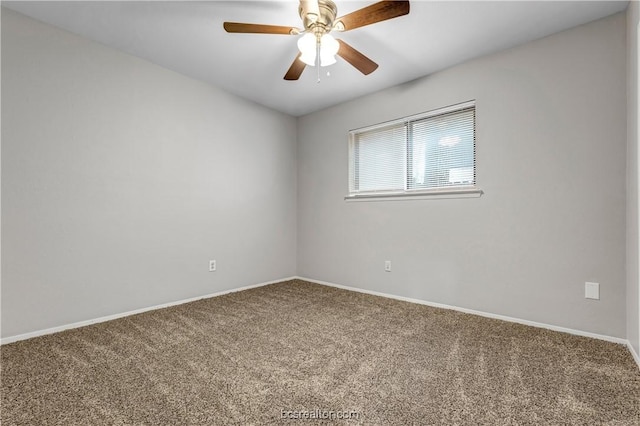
{"x":317,"y":46}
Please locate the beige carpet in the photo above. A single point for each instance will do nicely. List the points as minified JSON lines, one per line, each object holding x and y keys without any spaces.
{"x":245,"y":357}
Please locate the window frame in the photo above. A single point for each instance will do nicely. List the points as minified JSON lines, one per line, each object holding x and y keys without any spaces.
{"x":454,"y":191}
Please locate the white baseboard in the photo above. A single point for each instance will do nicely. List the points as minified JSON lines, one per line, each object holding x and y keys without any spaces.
{"x":57,"y":329}
{"x":634,"y":353}
{"x":480,"y":313}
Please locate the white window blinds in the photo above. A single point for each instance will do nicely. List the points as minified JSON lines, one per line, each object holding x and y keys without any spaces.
{"x":428,"y":152}
{"x":380,"y":159}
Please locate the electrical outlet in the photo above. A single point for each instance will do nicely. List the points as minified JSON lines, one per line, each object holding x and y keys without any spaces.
{"x":592,"y":291}
{"x":212,"y":265}
{"x":387,"y":265}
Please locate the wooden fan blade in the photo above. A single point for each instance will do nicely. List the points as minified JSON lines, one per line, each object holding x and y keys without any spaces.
{"x":362,"y":63}
{"x":241,"y":27}
{"x":296,"y":69}
{"x":377,"y":12}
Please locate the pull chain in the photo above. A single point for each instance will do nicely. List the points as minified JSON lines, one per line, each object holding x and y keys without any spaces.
{"x":318,"y":56}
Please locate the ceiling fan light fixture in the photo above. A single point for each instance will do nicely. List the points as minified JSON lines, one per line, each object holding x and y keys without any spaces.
{"x":307,"y":47}
{"x":307,"y":44}
{"x":328,"y":50}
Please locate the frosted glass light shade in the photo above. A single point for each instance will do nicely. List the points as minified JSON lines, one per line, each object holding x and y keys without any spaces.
{"x":307,"y":46}
{"x":328,"y":49}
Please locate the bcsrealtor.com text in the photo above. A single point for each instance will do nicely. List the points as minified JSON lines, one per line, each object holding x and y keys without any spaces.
{"x":318,"y":414}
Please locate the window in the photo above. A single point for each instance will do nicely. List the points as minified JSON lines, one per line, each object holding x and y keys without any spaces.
{"x":426,"y":154}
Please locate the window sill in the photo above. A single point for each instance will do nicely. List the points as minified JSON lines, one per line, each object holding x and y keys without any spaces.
{"x":418,"y":195}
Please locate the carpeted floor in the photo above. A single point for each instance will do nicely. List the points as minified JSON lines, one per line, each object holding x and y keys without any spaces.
{"x":287,"y":349}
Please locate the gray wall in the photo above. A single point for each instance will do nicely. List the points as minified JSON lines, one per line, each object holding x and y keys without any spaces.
{"x":121,"y":179}
{"x":633,"y":296}
{"x":551,"y":145}
{"x":115,"y":194}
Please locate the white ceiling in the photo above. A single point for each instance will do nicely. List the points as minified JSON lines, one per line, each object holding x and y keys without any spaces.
{"x":188,"y":37}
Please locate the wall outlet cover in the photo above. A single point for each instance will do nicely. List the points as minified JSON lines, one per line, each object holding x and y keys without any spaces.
{"x":592,"y":290}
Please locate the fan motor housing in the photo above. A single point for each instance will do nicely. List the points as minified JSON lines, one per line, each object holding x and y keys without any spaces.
{"x":324,"y":22}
